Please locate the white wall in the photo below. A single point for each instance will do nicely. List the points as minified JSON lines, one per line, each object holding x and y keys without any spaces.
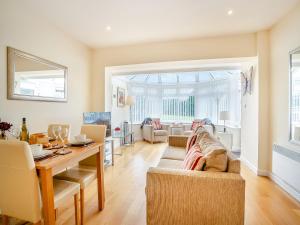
{"x":249,"y":121}
{"x":284,"y":37}
{"x":235,"y":46}
{"x":118,"y":114}
{"x":22,"y":29}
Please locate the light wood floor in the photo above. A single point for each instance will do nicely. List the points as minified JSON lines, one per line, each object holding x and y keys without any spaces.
{"x":266,"y":203}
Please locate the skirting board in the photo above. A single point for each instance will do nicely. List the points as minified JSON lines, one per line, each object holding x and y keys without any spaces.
{"x":281,"y":183}
{"x":285,"y":186}
{"x":249,"y":165}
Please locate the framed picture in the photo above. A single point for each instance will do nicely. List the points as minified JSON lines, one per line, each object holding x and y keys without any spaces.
{"x":120,"y":97}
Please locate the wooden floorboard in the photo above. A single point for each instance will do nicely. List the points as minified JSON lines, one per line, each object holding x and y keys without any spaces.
{"x":266,"y":203}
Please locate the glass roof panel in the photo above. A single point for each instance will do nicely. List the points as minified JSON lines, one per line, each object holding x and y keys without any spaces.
{"x":170,"y":78}
{"x":141,"y":78}
{"x":204,"y":76}
{"x":220,"y":75}
{"x":187,"y":77}
{"x":153,"y":78}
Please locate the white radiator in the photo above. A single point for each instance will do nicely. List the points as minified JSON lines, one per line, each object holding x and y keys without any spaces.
{"x":286,"y":170}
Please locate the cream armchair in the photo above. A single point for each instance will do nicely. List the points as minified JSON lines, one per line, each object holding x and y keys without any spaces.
{"x":152,"y":136}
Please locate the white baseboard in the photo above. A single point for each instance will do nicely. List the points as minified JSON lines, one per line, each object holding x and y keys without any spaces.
{"x":285,"y":186}
{"x":264,"y":173}
{"x":249,"y":165}
{"x":281,"y":183}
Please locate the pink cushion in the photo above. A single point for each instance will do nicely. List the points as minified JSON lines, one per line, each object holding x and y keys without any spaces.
{"x":156,"y":124}
{"x":190,"y":142}
{"x":194,"y":159}
{"x":196,"y":124}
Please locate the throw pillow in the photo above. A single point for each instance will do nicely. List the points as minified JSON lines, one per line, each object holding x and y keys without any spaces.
{"x":194,"y":159}
{"x":196,"y":124}
{"x":190,"y":142}
{"x":156,"y":124}
{"x":216,"y":161}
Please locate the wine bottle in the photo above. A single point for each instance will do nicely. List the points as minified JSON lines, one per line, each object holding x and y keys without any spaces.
{"x":24,"y":136}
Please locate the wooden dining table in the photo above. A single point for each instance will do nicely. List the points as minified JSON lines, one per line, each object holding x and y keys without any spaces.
{"x":47,"y":168}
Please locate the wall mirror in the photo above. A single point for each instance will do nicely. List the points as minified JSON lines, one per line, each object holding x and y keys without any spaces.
{"x":32,"y":78}
{"x":295,"y":96}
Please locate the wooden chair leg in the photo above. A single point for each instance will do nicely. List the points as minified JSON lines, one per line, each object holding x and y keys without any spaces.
{"x":77,"y":217}
{"x":56,"y":214}
{"x":5,"y":220}
{"x":82,"y":205}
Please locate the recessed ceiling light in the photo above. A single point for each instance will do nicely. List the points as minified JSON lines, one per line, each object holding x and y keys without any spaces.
{"x":229,"y":12}
{"x":108,"y":28}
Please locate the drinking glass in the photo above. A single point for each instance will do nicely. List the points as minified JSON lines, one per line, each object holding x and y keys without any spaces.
{"x":56,"y":130}
{"x":63,"y":136}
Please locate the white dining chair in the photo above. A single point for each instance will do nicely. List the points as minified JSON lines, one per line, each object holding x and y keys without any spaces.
{"x":86,"y":172}
{"x":19,"y":190}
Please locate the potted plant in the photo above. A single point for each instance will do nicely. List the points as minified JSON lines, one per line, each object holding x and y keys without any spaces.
{"x":4,"y":126}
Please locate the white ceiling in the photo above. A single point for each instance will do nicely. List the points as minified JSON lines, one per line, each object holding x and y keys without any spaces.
{"x":139,"y":21}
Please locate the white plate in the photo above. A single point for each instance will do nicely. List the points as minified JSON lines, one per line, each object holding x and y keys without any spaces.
{"x":87,"y":141}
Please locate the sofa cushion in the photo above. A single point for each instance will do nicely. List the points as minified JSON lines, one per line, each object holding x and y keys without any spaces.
{"x":234,"y":164}
{"x":216,"y":161}
{"x":160,"y":133}
{"x":175,"y":153}
{"x":170,"y":163}
{"x":190,"y":142}
{"x":194,"y":159}
{"x":215,"y":153}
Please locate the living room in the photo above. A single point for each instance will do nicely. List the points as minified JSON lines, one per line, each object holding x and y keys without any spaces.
{"x":98,"y":46}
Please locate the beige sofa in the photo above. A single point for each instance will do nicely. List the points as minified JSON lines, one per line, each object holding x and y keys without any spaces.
{"x":184,"y":197}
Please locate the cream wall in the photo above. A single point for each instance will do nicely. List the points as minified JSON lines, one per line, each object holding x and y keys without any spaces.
{"x":204,"y":48}
{"x":21,"y":29}
{"x":284,"y":37}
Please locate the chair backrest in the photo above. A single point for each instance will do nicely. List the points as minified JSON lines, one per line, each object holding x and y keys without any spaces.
{"x":19,"y":188}
{"x":97,"y":133}
{"x":51,"y":126}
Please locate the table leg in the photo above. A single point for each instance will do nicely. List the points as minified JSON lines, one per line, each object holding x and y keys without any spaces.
{"x":100,"y":178}
{"x":47,"y":196}
{"x":112,"y":152}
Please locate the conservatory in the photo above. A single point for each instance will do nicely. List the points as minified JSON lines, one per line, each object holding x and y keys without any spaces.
{"x":185,"y":96}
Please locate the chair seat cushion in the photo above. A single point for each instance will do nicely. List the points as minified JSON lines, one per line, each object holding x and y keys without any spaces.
{"x":170,"y":163}
{"x":160,"y":133}
{"x":82,"y":176}
{"x":187,"y":132}
{"x":64,"y":189}
{"x":174,"y":153}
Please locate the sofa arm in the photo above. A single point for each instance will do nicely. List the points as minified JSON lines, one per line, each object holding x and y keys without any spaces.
{"x":148,"y":132}
{"x":177,"y":140}
{"x":182,"y":197}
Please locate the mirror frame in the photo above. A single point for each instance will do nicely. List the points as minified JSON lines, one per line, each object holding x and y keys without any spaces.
{"x":290,"y":96}
{"x":11,"y":54}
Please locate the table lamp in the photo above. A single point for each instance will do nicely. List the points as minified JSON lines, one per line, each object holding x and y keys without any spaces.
{"x":130,"y":102}
{"x":224,"y":115}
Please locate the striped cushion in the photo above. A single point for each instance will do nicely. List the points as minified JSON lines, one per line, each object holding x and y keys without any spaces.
{"x":196,"y":124}
{"x":156,"y":124}
{"x":190,"y":142}
{"x":194,"y":159}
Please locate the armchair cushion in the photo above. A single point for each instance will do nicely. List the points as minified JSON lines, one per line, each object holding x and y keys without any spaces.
{"x":160,"y":133}
{"x":156,"y":124}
